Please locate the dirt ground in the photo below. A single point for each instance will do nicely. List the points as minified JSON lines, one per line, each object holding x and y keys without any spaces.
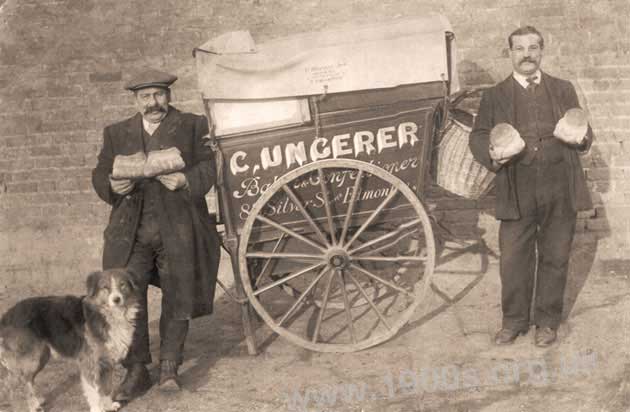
{"x":443,"y":360}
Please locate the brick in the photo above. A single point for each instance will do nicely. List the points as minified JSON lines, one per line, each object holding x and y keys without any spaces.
{"x":65,"y":126}
{"x":105,"y":77}
{"x":608,"y":97}
{"x":52,"y":103}
{"x":552,"y":11}
{"x":61,"y":90}
{"x":68,"y":185}
{"x":13,"y":125}
{"x":45,"y":151}
{"x":63,"y":162}
{"x":46,"y":186}
{"x":600,"y":72}
{"x":23,"y":212}
{"x":22,"y":187}
{"x":617,"y":123}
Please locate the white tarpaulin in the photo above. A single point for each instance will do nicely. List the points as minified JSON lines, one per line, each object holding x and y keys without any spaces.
{"x":233,"y":67}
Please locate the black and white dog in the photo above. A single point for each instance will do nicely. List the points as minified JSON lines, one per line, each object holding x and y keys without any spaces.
{"x":95,"y":331}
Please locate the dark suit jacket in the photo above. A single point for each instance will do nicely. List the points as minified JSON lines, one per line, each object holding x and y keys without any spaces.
{"x":497,"y":106}
{"x":189,"y":237}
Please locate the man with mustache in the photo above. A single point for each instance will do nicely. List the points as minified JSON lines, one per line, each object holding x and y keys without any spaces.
{"x":538,"y":191}
{"x":160,"y":227}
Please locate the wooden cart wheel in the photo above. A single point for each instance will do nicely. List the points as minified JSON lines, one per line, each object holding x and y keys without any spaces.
{"x":360,"y":253}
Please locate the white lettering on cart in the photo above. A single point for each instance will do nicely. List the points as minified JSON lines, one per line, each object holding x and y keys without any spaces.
{"x":407,"y":132}
{"x":234,"y":166}
{"x":341,"y":146}
{"x":384,"y":139}
{"x":364,"y":142}
{"x":297,"y":153}
{"x":267,"y":161}
{"x":315,"y":153}
{"x":251,"y":188}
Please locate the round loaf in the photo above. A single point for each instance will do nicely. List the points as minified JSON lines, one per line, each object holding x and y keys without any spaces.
{"x":505,"y":141}
{"x":572,"y":127}
{"x":576,"y":117}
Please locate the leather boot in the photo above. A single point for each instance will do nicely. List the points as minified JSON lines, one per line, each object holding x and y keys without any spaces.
{"x":137,"y":381}
{"x":168,"y":376}
{"x":507,"y":336}
{"x":545,"y":337}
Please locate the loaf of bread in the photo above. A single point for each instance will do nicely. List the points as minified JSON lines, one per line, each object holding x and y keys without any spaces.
{"x":505,"y":142}
{"x":160,"y":162}
{"x":129,"y":166}
{"x":572,"y":127}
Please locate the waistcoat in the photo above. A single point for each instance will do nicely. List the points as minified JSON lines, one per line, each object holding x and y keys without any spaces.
{"x":535,"y":123}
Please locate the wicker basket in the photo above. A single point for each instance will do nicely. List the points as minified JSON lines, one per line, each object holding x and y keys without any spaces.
{"x":457,"y":170}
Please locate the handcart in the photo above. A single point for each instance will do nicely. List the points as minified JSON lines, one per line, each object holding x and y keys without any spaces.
{"x":323,"y":143}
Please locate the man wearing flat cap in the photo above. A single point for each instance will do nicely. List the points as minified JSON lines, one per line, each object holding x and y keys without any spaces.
{"x":159,"y":227}
{"x":540,"y":186}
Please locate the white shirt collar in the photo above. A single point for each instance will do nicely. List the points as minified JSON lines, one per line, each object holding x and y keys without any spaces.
{"x":522,"y":79}
{"x":150,"y":127}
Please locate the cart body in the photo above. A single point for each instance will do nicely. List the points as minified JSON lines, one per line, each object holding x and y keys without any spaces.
{"x":365,"y":94}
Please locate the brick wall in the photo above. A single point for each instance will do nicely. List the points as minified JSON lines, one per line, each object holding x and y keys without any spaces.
{"x":63,"y":64}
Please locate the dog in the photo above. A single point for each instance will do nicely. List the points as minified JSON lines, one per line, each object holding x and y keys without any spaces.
{"x":94,"y":330}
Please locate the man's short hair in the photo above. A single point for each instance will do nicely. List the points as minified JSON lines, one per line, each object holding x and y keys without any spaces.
{"x":521,"y":31}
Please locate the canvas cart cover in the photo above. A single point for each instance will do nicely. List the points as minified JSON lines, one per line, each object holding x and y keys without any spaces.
{"x":234,"y":67}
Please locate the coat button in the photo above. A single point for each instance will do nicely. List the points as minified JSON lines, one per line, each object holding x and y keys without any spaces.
{"x":536,"y":149}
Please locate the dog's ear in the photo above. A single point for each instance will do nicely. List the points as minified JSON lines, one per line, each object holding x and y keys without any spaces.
{"x":92,"y":283}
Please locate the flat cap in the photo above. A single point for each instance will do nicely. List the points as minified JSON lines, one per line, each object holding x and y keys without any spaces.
{"x":150,"y":78}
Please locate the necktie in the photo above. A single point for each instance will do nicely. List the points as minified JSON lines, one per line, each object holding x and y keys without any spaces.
{"x":531,"y":83}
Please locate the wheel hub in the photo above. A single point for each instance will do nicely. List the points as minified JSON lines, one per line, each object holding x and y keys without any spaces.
{"x":338,"y":258}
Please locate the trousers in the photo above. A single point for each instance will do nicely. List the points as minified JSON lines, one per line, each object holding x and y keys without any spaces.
{"x":535,"y":249}
{"x":148,"y":257}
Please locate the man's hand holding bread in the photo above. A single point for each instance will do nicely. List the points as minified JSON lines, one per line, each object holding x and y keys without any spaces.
{"x":164,"y":165}
{"x":505,"y":143}
{"x":572,"y":128}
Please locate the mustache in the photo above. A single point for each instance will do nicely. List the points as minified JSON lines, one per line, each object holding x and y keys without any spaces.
{"x":527,"y":60}
{"x":154,"y":109}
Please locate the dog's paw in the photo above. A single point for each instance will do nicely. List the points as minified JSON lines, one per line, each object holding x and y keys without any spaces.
{"x":36,"y":405}
{"x":111,"y":406}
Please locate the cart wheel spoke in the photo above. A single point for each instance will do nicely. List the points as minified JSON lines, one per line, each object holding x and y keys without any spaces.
{"x":366,"y":297}
{"x":346,"y":306}
{"x":290,"y":232}
{"x":393,"y":192}
{"x":305,"y":213}
{"x":401,"y":229}
{"x":389,"y":245}
{"x":322,"y":310}
{"x":263,"y":270}
{"x":303,"y":295}
{"x":353,"y":199}
{"x":327,"y":208}
{"x":291,"y":256}
{"x":398,"y":258}
{"x":287,"y":278}
{"x":383,"y":281}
